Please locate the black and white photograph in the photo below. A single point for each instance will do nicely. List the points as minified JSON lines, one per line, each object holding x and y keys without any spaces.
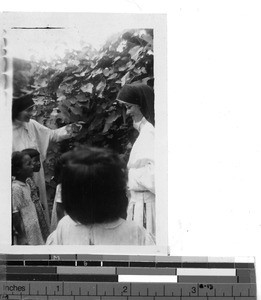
{"x":73,"y":73}
{"x":87,"y":96}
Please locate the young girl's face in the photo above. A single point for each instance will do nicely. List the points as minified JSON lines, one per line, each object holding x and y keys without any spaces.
{"x":27,"y":168}
{"x":36,"y":163}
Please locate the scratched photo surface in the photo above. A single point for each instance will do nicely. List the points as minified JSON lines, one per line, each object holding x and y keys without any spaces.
{"x":85,"y":92}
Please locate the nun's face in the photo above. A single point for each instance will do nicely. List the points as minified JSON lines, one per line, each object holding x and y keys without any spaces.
{"x":25,"y":115}
{"x":134,"y":111}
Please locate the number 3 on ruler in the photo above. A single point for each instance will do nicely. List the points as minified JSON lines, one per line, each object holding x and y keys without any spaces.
{"x":193,"y":290}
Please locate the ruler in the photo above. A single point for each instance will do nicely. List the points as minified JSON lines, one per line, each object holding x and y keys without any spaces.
{"x":109,"y":277}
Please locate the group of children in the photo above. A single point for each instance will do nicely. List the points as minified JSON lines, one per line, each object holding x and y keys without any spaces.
{"x":29,"y":226}
{"x":90,"y":205}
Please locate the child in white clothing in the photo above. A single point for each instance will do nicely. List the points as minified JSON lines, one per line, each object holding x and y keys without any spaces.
{"x":94,"y":198}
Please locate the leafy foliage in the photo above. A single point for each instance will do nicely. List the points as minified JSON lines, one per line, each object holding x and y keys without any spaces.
{"x":82,"y":87}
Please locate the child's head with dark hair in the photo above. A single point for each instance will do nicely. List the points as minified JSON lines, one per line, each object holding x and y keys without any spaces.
{"x":35,"y":156}
{"x":21,"y":166}
{"x":94,"y":185}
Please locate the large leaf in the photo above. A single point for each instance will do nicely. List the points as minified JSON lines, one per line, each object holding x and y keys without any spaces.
{"x":96,"y":72}
{"x":135,"y":52}
{"x":68,"y":78}
{"x":87,"y":88}
{"x":130,"y":65}
{"x":106,"y":72}
{"x":146,"y":37}
{"x":113,"y":76}
{"x":125,"y":78}
{"x":61,"y":97}
{"x":101,"y":86}
{"x":116,"y":58}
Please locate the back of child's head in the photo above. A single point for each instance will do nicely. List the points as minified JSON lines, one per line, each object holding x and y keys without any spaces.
{"x":94,"y":186}
{"x":17,"y":162}
{"x":31,"y":152}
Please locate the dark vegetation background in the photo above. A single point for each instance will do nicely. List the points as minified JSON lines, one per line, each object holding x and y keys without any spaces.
{"x":82,"y":87}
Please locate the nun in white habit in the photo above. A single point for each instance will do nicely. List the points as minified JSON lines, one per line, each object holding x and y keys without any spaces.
{"x":139,"y":101}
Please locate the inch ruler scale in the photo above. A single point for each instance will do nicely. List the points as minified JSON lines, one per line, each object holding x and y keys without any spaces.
{"x":112,"y":277}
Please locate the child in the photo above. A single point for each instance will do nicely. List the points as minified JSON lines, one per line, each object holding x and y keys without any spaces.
{"x":35,"y":195}
{"x":94,"y":198}
{"x":58,"y":209}
{"x":25,"y":220}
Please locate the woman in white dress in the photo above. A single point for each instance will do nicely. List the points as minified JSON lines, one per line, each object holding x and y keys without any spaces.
{"x":94,"y":197}
{"x":27,"y":133}
{"x":139,"y":101}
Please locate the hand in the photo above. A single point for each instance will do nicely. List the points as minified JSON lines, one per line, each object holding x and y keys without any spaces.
{"x":73,"y":128}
